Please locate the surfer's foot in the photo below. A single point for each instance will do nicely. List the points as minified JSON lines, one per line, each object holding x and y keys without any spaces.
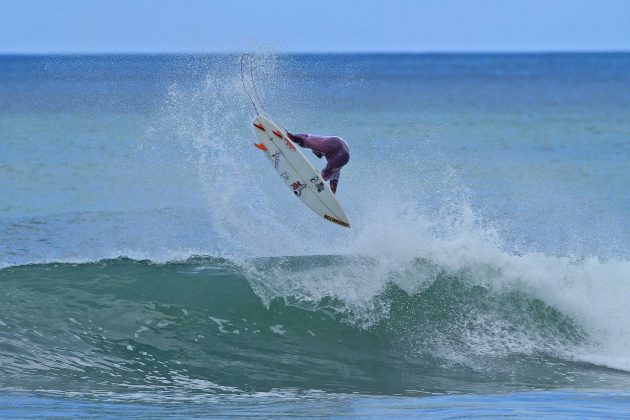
{"x":333,"y":185}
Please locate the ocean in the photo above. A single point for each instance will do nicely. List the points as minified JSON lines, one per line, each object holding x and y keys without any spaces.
{"x":152,"y":264}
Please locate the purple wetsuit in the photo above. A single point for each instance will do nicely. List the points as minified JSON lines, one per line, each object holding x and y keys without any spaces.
{"x":334,"y":149}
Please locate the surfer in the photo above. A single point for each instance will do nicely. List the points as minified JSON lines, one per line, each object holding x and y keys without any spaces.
{"x":333,"y":148}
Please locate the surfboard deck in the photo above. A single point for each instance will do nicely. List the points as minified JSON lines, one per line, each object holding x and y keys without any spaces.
{"x":297,"y":172}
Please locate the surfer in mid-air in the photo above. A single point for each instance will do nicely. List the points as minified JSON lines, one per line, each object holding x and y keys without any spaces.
{"x":333,"y":148}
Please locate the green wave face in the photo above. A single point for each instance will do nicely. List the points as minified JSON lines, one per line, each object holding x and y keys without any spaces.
{"x":210,"y":326}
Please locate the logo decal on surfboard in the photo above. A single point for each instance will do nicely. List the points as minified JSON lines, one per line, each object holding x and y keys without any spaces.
{"x":339,"y":222}
{"x":276,"y":160}
{"x":289,"y":145}
{"x":298,"y":187}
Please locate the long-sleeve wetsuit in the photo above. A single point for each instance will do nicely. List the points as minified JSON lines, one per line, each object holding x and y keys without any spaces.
{"x":333,"y":148}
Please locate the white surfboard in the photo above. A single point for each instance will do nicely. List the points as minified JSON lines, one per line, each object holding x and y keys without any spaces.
{"x":297,"y":172}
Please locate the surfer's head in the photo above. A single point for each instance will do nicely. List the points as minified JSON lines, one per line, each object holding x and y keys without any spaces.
{"x":318,"y":154}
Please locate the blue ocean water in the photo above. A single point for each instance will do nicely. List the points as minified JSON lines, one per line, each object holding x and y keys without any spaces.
{"x":153,"y":264}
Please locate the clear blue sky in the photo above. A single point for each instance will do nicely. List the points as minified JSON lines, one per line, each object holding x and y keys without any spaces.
{"x":128,"y":26}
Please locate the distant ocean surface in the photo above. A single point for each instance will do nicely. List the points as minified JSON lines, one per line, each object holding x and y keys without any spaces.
{"x":153,"y":264}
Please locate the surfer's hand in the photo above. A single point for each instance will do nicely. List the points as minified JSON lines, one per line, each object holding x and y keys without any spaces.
{"x":295,"y":139}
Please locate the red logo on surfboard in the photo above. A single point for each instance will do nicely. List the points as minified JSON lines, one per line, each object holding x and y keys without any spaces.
{"x":297,"y":188}
{"x":289,"y":145}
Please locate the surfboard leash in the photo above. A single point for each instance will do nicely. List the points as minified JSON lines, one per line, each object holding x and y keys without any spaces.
{"x":245,"y":87}
{"x":251,"y":75}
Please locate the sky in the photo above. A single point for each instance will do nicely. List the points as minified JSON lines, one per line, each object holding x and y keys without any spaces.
{"x":206,"y":26}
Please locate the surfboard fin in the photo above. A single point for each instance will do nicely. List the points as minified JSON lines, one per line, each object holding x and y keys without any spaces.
{"x":261,"y":146}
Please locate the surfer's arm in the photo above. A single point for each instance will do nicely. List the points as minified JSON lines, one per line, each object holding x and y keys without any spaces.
{"x":307,"y":141}
{"x":299,"y":139}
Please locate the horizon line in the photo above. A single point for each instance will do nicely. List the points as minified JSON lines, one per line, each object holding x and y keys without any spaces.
{"x":376,"y":52}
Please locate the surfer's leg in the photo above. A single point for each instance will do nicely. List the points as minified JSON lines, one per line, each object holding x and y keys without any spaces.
{"x":333,"y":185}
{"x":334,"y":179}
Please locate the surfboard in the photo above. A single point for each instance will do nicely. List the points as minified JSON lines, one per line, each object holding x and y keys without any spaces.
{"x":297,"y":172}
